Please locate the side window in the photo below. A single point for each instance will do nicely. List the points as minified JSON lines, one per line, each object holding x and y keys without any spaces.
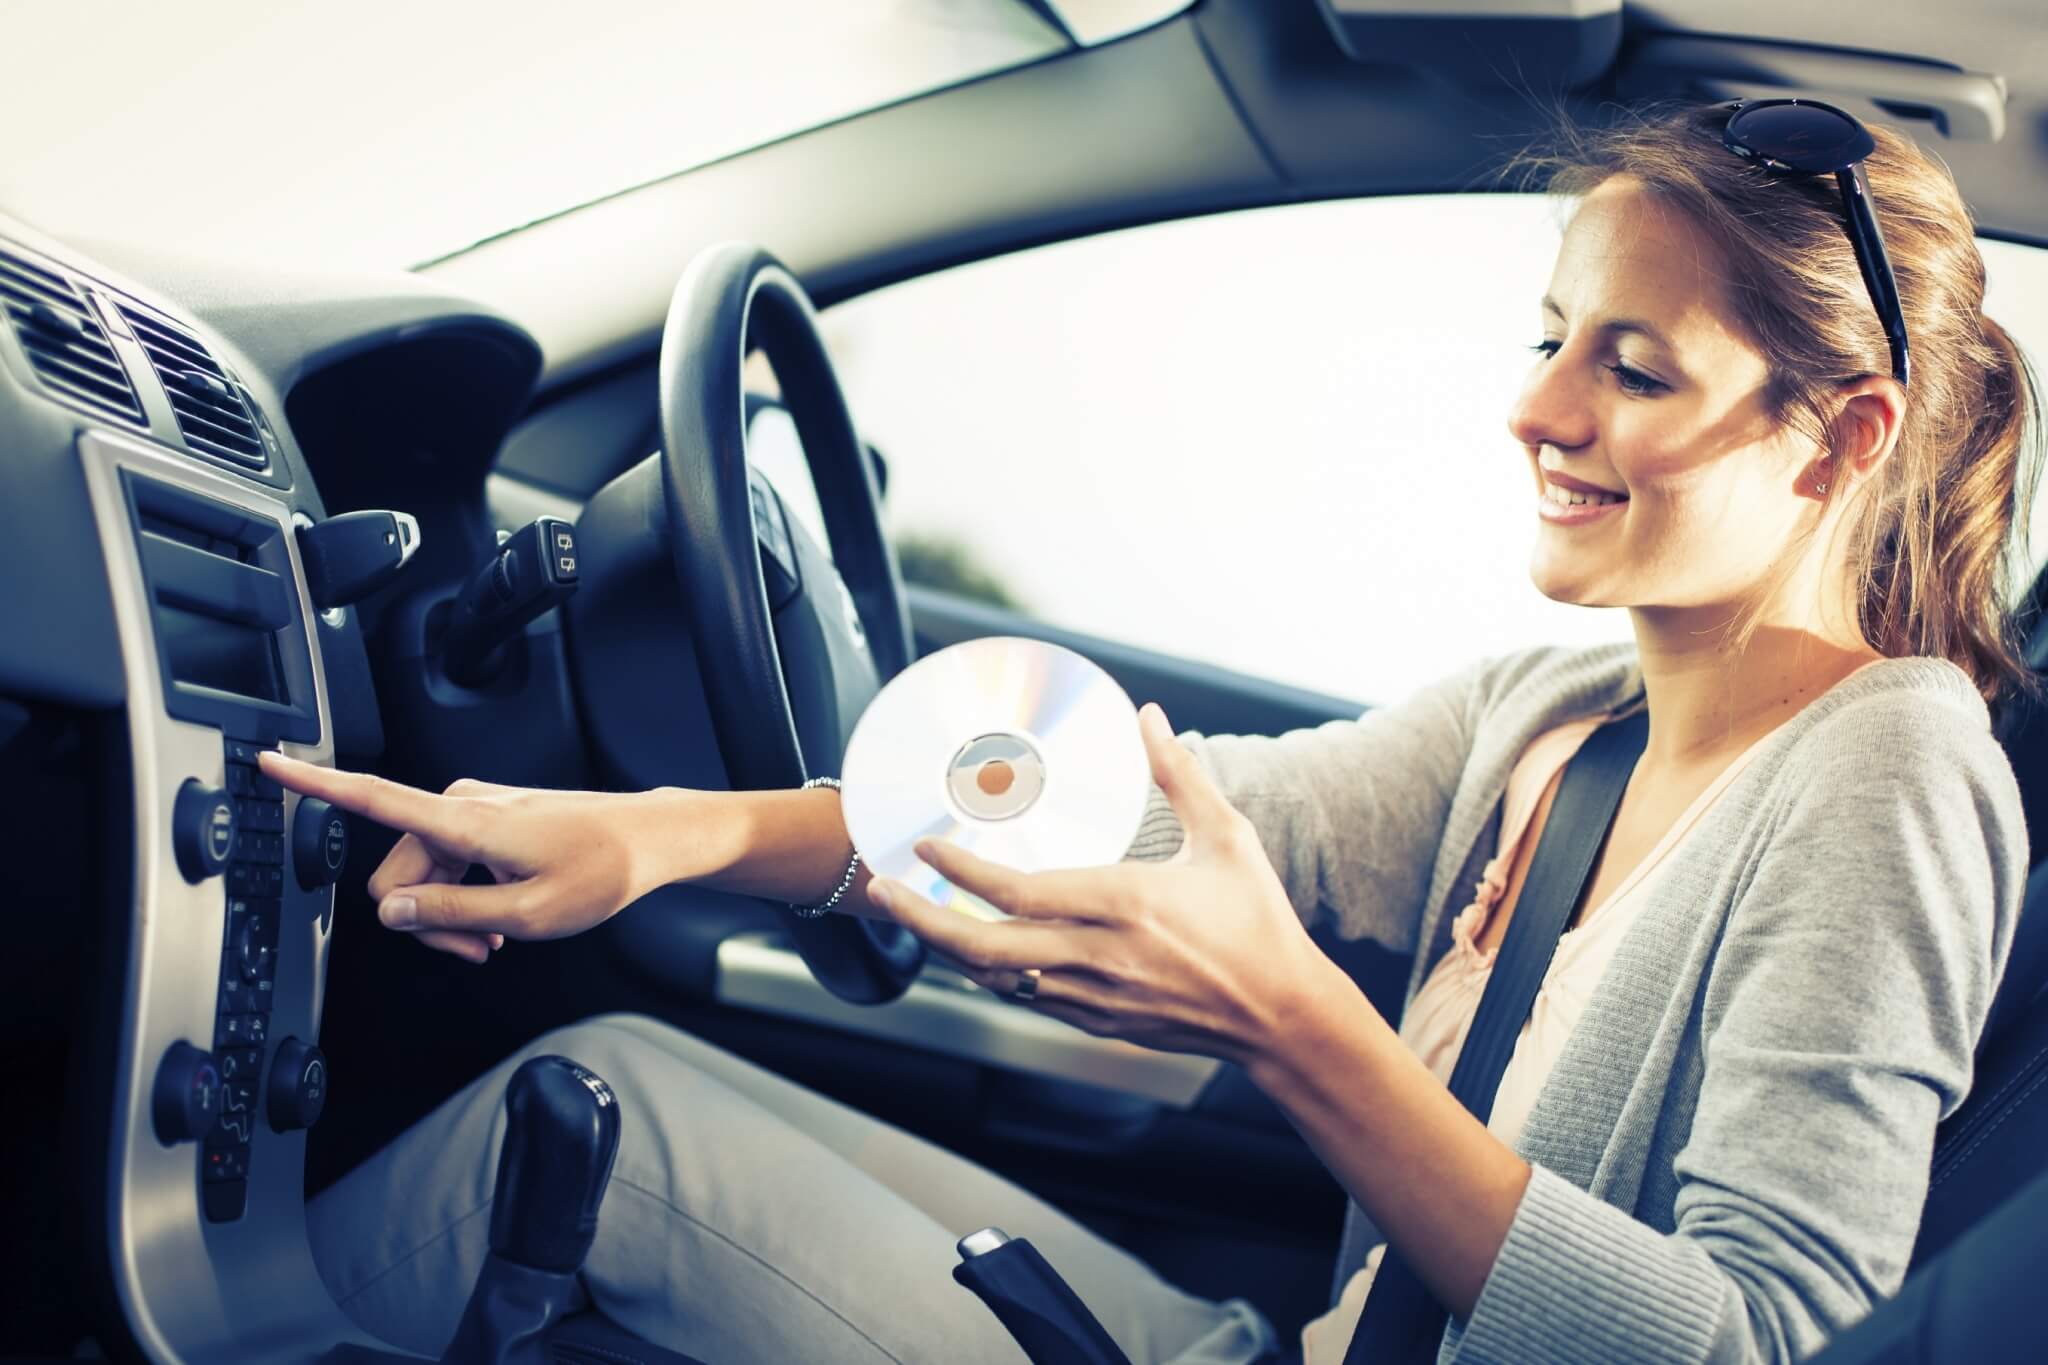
{"x":1272,"y":440}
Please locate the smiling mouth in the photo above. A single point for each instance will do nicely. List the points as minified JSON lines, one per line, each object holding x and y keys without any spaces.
{"x":1559,"y":496}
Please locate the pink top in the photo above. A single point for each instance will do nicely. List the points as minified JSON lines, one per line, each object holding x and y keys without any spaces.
{"x":1440,"y":1015}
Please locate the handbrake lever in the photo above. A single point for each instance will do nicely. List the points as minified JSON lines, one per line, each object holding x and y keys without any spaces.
{"x":1028,"y":1296}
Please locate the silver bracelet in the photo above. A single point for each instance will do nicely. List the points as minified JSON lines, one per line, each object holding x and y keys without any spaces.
{"x":852,"y":866}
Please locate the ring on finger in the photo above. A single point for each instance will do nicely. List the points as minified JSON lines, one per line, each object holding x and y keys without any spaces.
{"x":1026,"y":989}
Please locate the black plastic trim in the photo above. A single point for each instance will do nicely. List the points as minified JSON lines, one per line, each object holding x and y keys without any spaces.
{"x":263,"y":543}
{"x":221,"y":587}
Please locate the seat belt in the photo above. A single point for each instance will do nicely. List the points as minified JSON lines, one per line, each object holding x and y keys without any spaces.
{"x":1401,"y":1323}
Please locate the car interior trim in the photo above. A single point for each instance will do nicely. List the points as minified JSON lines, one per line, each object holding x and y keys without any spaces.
{"x":945,"y":1012}
{"x":190,"y":1288}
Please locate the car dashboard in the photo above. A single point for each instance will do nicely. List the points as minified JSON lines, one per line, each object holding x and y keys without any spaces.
{"x":173,"y":449}
{"x":155,"y":493}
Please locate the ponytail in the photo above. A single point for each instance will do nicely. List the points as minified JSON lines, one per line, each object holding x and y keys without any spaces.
{"x":1951,"y":554}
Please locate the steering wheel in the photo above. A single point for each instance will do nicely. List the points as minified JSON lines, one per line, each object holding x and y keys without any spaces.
{"x":791,"y":646}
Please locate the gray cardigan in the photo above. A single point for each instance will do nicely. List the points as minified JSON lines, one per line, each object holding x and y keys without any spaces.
{"x":1731,"y":1154}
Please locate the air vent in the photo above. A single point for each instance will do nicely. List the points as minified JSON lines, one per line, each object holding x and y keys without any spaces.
{"x":65,"y":344}
{"x":213,"y":412}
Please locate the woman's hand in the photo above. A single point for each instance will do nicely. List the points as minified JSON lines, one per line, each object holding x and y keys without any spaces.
{"x":561,"y":861}
{"x":1201,"y":953}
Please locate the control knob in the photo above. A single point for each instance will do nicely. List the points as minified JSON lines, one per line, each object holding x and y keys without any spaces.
{"x":187,"y":1094}
{"x":298,"y":1085}
{"x":202,"y":830}
{"x":254,"y":944}
{"x":319,"y":843}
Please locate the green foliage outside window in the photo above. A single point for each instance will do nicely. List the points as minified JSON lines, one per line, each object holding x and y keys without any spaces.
{"x":942,"y":562}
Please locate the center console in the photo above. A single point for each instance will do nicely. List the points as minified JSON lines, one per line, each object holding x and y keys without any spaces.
{"x":218,"y":1069}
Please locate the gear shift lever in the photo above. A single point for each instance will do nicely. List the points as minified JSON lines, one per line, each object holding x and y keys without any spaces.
{"x":561,"y":1135}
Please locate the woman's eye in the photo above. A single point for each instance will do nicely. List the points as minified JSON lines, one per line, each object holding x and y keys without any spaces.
{"x":1547,"y":347}
{"x":1634,"y":381}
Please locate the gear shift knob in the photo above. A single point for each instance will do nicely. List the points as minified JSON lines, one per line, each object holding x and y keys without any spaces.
{"x":561,"y":1136}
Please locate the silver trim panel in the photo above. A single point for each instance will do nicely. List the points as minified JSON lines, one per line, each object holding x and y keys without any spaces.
{"x":192,"y":1290}
{"x":945,"y":1012}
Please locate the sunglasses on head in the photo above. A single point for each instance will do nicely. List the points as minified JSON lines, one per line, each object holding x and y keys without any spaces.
{"x":1806,"y":137}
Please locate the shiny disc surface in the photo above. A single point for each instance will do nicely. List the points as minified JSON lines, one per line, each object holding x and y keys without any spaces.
{"x":1020,"y":751}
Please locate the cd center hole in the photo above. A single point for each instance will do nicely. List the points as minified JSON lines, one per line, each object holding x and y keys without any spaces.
{"x":995,"y":777}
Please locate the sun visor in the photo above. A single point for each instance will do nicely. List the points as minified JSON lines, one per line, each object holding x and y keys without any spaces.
{"x":1537,"y":45}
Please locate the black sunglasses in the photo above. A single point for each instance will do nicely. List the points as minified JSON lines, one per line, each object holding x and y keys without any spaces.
{"x":1806,"y":137}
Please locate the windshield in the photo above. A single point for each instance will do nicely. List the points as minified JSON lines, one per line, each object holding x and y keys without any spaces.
{"x":387,"y":133}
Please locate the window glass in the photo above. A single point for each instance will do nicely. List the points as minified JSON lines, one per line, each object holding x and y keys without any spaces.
{"x":1272,"y":440}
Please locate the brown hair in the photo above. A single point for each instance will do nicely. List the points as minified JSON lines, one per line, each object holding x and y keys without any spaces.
{"x":1932,"y":543}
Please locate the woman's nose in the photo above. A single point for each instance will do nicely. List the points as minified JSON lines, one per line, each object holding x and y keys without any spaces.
{"x":1555,"y":407}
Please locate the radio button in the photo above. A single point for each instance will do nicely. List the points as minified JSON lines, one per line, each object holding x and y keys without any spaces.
{"x":298,"y":1086}
{"x":203,"y":825}
{"x":319,"y":843}
{"x":229,"y":1162}
{"x":225,"y":1200}
{"x":236,"y":995}
{"x":256,"y":948}
{"x":187,"y":1094}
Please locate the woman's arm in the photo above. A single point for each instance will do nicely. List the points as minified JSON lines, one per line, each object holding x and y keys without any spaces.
{"x":1840,"y":1015}
{"x":562,"y":861}
{"x":1435,"y":1182}
{"x":778,"y":845}
{"x":1203,"y":953}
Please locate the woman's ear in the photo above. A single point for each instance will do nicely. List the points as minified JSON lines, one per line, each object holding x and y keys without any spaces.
{"x":1866,"y":427}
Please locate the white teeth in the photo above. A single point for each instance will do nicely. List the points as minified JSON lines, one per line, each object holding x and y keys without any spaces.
{"x":1568,"y":497}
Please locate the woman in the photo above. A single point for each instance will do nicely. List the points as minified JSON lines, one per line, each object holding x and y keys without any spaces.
{"x":1712,"y":1142}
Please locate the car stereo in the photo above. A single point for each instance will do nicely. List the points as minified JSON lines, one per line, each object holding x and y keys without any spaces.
{"x":217,"y":1071}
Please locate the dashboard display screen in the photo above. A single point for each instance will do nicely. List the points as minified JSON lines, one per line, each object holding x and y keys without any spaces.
{"x":222,"y":655}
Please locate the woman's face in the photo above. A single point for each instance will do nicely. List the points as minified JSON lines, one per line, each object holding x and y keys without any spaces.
{"x":1646,"y":390}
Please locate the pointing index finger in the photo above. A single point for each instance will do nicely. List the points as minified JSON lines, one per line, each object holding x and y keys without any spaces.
{"x":388,"y":803}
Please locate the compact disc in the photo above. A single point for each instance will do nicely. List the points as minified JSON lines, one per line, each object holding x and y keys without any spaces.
{"x":1017,"y":750}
